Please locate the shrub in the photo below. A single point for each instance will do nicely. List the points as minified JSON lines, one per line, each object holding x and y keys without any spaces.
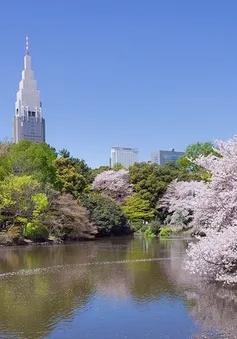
{"x":36,"y":232}
{"x":6,"y":239}
{"x":166,"y":231}
{"x":149,"y":233}
{"x":14,"y":231}
{"x":137,"y":225}
{"x":12,"y":237}
{"x":143,"y":228}
{"x":155,"y":227}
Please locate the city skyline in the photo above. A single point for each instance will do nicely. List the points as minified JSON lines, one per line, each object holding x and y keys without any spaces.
{"x":149,"y":76}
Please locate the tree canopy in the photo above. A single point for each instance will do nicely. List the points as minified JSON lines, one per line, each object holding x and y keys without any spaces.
{"x":136,"y":209}
{"x":151,"y":180}
{"x":194,"y":151}
{"x":106,"y":214}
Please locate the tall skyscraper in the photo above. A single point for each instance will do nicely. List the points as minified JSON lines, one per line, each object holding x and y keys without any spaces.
{"x":28,"y":122}
{"x":123,"y":156}
{"x":162,"y":157}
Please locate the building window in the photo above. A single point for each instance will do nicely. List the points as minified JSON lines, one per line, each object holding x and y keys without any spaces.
{"x":31,"y":114}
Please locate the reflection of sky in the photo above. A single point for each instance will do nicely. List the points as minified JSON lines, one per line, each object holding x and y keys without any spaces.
{"x":106,"y":318}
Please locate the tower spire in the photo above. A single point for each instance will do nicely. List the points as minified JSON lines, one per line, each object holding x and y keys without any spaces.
{"x":27,"y":45}
{"x":28,"y":122}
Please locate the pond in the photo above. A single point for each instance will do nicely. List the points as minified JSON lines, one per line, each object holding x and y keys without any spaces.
{"x":118,"y":288}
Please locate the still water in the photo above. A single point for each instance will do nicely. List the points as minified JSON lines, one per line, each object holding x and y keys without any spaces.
{"x":120,"y":288}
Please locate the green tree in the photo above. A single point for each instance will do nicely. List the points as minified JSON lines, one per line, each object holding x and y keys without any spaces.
{"x":136,"y":209}
{"x":64,"y":153}
{"x":79,"y":164}
{"x":105,"y":214}
{"x":81,"y":168}
{"x":118,"y":167}
{"x":72,"y":181}
{"x":151,"y":180}
{"x":5,"y":167}
{"x":35,"y":159}
{"x":192,"y":152}
{"x":21,"y":199}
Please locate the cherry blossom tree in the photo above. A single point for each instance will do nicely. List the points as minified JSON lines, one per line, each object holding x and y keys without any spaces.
{"x":212,"y":209}
{"x":217,"y":206}
{"x":113,"y":183}
{"x":215,"y":256}
{"x":180,"y":200}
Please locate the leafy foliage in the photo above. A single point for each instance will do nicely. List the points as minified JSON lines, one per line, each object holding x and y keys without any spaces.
{"x":35,"y":159}
{"x":166,"y":231}
{"x":36,"y":231}
{"x":151,"y":180}
{"x":118,"y":167}
{"x":193,"y":152}
{"x":155,"y":227}
{"x":149,"y":233}
{"x":137,"y":209}
{"x":21,"y":197}
{"x":78,"y":164}
{"x":68,"y":219}
{"x":72,"y":182}
{"x":106,"y":214}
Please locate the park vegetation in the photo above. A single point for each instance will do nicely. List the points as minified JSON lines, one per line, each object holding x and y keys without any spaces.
{"x":51,"y":196}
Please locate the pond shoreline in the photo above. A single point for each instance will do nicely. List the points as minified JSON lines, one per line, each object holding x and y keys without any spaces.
{"x":57,"y":241}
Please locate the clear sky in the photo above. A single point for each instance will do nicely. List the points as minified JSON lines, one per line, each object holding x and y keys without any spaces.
{"x":149,"y":74}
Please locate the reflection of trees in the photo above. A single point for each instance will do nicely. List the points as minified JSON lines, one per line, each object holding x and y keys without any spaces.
{"x":214,"y":306}
{"x":211,"y":305}
{"x":173,"y":267}
{"x":33,"y":302}
{"x":30,"y":303}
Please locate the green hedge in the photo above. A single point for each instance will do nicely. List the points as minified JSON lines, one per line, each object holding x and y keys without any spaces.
{"x":36,"y":232}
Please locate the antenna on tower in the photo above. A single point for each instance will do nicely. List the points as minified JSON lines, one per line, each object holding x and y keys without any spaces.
{"x":27,"y":45}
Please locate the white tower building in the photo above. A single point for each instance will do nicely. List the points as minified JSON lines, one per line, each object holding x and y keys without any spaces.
{"x":124,"y":156}
{"x":28,"y":122}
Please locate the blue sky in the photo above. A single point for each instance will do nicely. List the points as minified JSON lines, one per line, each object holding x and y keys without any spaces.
{"x":149,"y":74}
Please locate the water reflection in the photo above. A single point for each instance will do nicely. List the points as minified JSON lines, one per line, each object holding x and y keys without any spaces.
{"x":211,"y":305}
{"x":59,"y":291}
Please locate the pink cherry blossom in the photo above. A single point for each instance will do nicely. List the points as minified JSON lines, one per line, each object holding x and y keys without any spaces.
{"x":180,"y":200}
{"x":113,"y":183}
{"x":210,"y":208}
{"x":215,"y":256}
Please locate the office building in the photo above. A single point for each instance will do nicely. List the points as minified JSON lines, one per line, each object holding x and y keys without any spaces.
{"x":124,"y":156}
{"x":162,"y":157}
{"x":28,"y":122}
